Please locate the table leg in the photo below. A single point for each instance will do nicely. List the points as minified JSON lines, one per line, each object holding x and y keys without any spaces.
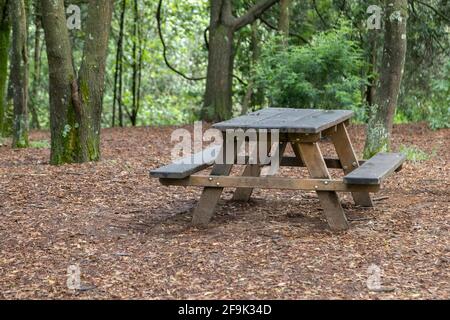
{"x":349,"y":161}
{"x":252,"y":170}
{"x":210,"y":197}
{"x":243,"y":194}
{"x":313,"y":159}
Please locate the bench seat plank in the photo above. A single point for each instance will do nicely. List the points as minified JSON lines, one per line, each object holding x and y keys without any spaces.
{"x":184,"y":167}
{"x":376,"y":169}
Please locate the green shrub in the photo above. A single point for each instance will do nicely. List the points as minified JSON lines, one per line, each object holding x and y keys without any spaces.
{"x":40,"y":144}
{"x":413,"y":153}
{"x":439,"y":112}
{"x":324,"y":74}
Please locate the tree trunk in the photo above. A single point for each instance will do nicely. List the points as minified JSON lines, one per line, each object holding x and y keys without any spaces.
{"x":382,"y":113}
{"x":117,"y":98}
{"x":37,"y":67}
{"x":76,"y":103}
{"x":219,"y":82}
{"x":135,"y":80}
{"x":5,"y":31}
{"x":19,"y":77}
{"x":219,"y":91}
{"x":250,"y":98}
{"x":92,"y":77}
{"x":283,"y":23}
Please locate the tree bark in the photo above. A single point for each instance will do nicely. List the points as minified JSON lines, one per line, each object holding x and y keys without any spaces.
{"x":219,"y":83}
{"x":283,"y":23}
{"x":136,"y":65}
{"x":382,"y":113}
{"x":5,"y":31}
{"x":117,"y":98}
{"x":19,"y":76}
{"x":76,"y":102}
{"x":218,"y":95}
{"x":250,"y":98}
{"x":92,"y":76}
{"x":37,"y":67}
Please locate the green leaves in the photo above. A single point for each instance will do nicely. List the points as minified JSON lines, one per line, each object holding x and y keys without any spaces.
{"x":324,"y":74}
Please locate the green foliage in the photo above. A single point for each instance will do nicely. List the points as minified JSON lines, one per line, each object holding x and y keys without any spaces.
{"x":439,"y":112}
{"x":328,"y":73}
{"x":413,"y":153}
{"x":40,"y":144}
{"x":323,"y":74}
{"x":165,"y":98}
{"x":424,"y":96}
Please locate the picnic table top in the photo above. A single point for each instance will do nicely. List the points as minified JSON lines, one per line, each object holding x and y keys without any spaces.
{"x":288,"y":120}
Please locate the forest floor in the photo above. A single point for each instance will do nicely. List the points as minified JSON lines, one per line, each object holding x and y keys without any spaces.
{"x":131,"y":237}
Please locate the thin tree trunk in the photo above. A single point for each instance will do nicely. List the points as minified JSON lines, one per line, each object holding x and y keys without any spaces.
{"x":371,"y":87}
{"x":37,"y":68}
{"x":134,"y":109}
{"x":120,"y":89}
{"x":117,"y":98}
{"x":392,"y":67}
{"x":141,"y":60}
{"x":19,"y":69}
{"x":76,"y":102}
{"x":283,"y":23}
{"x":255,"y":49}
{"x":5,"y":31}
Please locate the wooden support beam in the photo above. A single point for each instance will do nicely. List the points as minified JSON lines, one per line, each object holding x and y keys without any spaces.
{"x":312,"y":156}
{"x":268,"y":183}
{"x":349,"y":161}
{"x":331,"y":163}
{"x":253,"y":170}
{"x":210,"y":196}
{"x":300,"y":137}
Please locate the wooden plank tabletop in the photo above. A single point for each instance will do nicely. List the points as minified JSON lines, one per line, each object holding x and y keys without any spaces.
{"x":288,"y":120}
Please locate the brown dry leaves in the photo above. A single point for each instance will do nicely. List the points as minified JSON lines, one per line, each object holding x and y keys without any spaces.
{"x":132,"y":239}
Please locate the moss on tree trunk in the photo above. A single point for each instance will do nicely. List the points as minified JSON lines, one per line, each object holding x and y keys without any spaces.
{"x":5,"y":31}
{"x":76,"y":102}
{"x":19,"y":73}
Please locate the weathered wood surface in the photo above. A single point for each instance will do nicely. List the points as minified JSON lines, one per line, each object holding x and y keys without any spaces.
{"x":331,"y":163}
{"x":184,"y":167}
{"x":288,"y":120}
{"x":247,"y":182}
{"x":374,"y":170}
{"x":252,"y":170}
{"x":312,"y":156}
{"x":349,"y":161}
{"x":209,"y":198}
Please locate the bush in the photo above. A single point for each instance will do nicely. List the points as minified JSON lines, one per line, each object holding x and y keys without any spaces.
{"x":324,"y":74}
{"x":439,"y":113}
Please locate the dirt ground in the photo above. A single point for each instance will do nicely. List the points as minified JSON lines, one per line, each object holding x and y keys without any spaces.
{"x":131,"y":237}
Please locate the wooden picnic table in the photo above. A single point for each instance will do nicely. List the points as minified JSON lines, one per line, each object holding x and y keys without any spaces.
{"x":303,"y":129}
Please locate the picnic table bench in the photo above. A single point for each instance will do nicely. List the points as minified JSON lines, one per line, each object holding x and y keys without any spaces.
{"x":303,"y":129}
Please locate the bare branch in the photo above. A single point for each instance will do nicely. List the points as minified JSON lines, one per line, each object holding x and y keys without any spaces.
{"x":440,"y":14}
{"x":254,"y":13}
{"x":319,"y":14}
{"x":166,"y":60}
{"x":271,"y":26}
